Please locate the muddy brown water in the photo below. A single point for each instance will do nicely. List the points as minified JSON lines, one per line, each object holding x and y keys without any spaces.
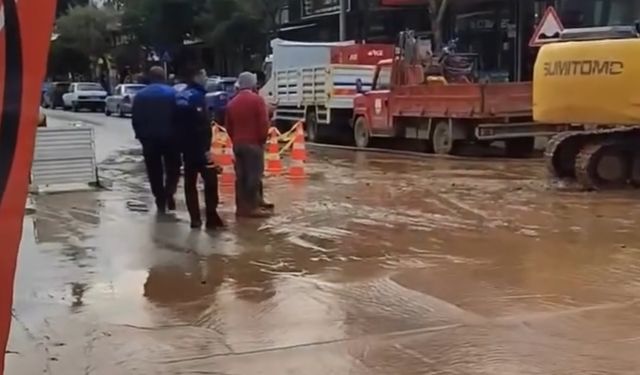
{"x":374,"y":265}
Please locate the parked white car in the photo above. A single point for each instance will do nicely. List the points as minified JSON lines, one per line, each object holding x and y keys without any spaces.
{"x":121,"y":102}
{"x":88,"y":95}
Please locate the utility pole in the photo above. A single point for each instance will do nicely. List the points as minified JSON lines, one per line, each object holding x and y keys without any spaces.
{"x":343,"y":20}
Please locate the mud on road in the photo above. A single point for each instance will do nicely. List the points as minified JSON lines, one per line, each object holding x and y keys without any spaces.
{"x":374,"y":265}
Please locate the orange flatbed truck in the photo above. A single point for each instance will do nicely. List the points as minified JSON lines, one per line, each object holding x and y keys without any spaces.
{"x":406,"y":103}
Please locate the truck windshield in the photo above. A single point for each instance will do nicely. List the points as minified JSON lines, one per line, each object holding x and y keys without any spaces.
{"x":267,"y":69}
{"x":225,"y":86}
{"x":384,"y":78}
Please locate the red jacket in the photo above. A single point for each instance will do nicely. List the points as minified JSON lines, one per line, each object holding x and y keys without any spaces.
{"x":246,"y":119}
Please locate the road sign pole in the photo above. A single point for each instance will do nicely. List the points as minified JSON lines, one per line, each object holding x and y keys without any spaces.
{"x":343,"y":20}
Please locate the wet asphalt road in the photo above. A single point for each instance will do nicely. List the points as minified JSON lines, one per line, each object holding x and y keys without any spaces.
{"x":374,"y":265}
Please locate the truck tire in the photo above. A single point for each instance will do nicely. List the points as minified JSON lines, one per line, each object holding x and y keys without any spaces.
{"x":311,"y":125}
{"x":519,"y":147}
{"x":361,"y":133}
{"x":442,"y":138}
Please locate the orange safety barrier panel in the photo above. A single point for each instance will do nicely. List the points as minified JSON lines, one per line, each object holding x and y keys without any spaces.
{"x":25,"y":34}
{"x":222,"y":153}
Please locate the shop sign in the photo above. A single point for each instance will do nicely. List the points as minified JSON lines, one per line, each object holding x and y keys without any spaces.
{"x":314,"y":8}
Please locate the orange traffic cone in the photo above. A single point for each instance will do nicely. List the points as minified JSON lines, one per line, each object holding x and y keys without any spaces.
{"x":222,"y":154}
{"x":298,"y":154}
{"x":273,"y":162}
{"x":298,"y":150}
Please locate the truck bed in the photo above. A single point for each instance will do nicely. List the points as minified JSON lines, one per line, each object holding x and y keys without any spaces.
{"x":330,"y":86}
{"x":474,"y":101}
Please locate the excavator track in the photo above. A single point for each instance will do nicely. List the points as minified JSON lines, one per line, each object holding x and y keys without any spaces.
{"x":558,"y":158}
{"x":598,"y":159}
{"x":603,"y":165}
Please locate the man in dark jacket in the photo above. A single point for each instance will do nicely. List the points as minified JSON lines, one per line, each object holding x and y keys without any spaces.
{"x":152,"y":114}
{"x":248,"y":125}
{"x":194,"y":134}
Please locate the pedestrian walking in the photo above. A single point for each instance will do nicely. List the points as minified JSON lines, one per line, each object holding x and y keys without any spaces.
{"x":247,"y":123}
{"x":194,"y":135}
{"x":152,"y":114}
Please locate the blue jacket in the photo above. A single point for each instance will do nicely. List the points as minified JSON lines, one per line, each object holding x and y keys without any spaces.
{"x":192,"y":123}
{"x":152,"y":113}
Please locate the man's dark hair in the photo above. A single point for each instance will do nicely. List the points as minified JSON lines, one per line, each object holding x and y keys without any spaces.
{"x":156,"y":74}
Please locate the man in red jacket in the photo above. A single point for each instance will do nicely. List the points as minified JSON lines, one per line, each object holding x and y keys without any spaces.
{"x":247,"y":123}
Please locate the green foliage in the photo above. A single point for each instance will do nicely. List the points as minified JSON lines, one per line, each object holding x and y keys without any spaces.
{"x":87,"y":30}
{"x":160,"y":22}
{"x":226,"y":22}
{"x":63,"y":60}
{"x":234,"y":31}
{"x":64,"y":5}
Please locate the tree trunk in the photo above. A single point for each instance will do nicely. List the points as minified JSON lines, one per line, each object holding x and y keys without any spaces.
{"x":437,"y":11}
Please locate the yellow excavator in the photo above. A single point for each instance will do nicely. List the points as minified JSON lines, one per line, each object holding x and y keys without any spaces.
{"x":591,"y":77}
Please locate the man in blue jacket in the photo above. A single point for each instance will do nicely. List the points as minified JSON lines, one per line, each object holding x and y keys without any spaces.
{"x":194,"y":135}
{"x":152,"y":114}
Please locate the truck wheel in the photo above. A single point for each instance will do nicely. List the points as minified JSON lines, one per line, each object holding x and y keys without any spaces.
{"x":442,"y":139}
{"x":311,"y":126}
{"x":361,"y":133}
{"x":519,"y":147}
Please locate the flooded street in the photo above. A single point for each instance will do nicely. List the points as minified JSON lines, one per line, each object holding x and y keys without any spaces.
{"x":376,"y":264}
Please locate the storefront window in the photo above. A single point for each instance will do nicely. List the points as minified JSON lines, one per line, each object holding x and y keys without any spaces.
{"x":489,"y":31}
{"x":591,"y":13}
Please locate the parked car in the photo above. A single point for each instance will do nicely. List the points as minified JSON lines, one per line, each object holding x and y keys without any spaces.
{"x":52,"y":97}
{"x":122,"y":99}
{"x":88,"y":95}
{"x":220,"y":90}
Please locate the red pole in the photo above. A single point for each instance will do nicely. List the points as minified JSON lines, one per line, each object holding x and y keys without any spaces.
{"x":25,"y":33}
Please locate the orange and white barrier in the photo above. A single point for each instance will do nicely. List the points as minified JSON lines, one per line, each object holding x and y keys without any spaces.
{"x":298,"y":154}
{"x":222,"y":155}
{"x":273,"y":165}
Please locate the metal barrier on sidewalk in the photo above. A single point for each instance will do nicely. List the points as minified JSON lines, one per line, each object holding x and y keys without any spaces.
{"x":64,"y":160}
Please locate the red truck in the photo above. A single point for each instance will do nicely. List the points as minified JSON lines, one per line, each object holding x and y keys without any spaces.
{"x":407,"y":102}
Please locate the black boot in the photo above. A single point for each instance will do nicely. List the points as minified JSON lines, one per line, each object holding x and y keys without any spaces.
{"x":161,"y":205}
{"x":196,"y":224}
{"x":171,"y":204}
{"x":214,"y":221}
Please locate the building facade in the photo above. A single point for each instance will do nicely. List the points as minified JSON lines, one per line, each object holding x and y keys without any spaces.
{"x":498,"y":31}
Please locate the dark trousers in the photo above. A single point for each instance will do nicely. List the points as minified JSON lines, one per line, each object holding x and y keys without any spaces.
{"x":249,"y":167}
{"x":211,"y":199}
{"x":163,"y":162}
